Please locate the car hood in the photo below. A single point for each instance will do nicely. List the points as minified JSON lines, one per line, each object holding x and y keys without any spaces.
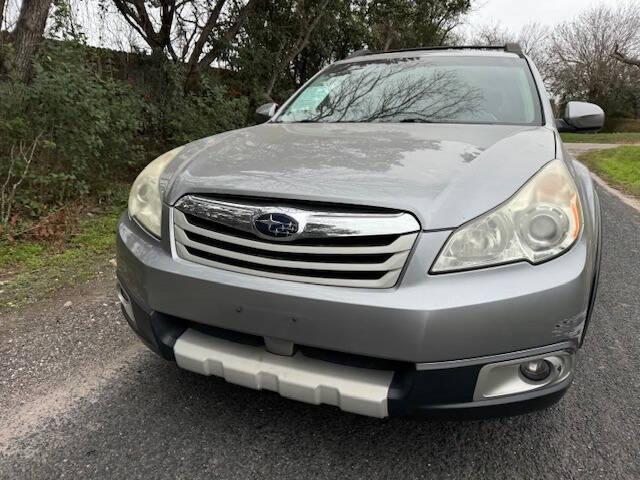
{"x":444,"y":174}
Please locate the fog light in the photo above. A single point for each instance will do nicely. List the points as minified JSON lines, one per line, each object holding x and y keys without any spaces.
{"x":536,"y":370}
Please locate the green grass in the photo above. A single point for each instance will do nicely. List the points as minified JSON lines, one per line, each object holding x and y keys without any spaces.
{"x":30,"y":271}
{"x":618,"y":166}
{"x":622,"y":138}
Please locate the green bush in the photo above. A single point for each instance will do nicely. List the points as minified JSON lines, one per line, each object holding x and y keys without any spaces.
{"x":204,"y":114}
{"x":92,"y":126}
{"x":83,"y":126}
{"x":174,"y":117}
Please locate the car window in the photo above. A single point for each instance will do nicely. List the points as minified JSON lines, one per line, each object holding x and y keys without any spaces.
{"x":492,"y":90}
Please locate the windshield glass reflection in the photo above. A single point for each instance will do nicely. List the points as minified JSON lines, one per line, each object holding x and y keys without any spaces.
{"x":421,"y":90}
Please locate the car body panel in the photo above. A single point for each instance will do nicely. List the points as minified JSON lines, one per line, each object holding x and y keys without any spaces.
{"x":429,"y":170}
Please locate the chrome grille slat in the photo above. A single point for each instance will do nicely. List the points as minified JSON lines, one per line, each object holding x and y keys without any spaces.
{"x":388,"y":280}
{"x":315,"y":223}
{"x":297,"y":257}
{"x":219,"y":234}
{"x":395,"y":262}
{"x":318,"y":241}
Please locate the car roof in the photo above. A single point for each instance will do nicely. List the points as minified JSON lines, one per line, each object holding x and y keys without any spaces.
{"x":509,"y":50}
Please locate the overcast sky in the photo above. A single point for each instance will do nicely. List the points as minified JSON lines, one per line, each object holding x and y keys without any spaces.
{"x":513,"y":14}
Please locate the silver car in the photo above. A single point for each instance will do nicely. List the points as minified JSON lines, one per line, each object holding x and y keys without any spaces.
{"x":405,"y":235}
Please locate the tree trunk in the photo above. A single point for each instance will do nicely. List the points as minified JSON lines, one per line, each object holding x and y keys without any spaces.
{"x":195,"y":64}
{"x":28,"y":34}
{"x":138,"y":17}
{"x":2,"y":6}
{"x":301,"y":43}
{"x":3,"y":53}
{"x":192,"y":79}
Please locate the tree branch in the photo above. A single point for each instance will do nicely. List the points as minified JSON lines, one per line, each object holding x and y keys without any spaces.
{"x":618,"y":55}
{"x":135,"y":13}
{"x":212,"y":21}
{"x":229,"y":34}
{"x":304,"y":36}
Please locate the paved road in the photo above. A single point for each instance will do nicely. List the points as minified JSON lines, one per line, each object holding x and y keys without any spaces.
{"x":80,"y":398}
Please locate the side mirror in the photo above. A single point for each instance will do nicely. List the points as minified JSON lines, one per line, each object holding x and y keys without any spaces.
{"x":581,"y":117}
{"x":265,"y":112}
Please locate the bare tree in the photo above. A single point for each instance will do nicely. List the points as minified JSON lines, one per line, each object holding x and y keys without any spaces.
{"x":198,"y":59}
{"x":495,"y":34}
{"x":136,"y":13}
{"x":28,"y":35}
{"x":533,"y":38}
{"x":582,"y":64}
{"x":618,"y":55}
{"x":201,"y":29}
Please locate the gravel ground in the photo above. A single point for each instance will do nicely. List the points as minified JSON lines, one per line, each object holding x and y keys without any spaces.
{"x":81,"y":398}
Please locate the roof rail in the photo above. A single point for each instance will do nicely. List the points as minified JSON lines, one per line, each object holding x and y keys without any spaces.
{"x":508,"y":47}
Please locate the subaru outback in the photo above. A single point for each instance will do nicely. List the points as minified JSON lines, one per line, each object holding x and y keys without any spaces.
{"x":405,"y":235}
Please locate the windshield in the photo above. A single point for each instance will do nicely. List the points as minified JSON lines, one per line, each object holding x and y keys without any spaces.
{"x":456,"y":89}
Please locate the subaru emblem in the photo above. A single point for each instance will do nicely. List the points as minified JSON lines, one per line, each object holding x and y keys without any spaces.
{"x":276,"y":225}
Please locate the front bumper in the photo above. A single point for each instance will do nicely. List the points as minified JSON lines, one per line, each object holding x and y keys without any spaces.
{"x":425,"y":318}
{"x":437,"y":332}
{"x":362,"y":385}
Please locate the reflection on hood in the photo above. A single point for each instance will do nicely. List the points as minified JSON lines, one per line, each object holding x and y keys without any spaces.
{"x":444,"y":174}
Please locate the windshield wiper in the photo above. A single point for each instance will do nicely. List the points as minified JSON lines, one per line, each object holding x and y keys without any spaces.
{"x":416,"y":120}
{"x":306,"y":120}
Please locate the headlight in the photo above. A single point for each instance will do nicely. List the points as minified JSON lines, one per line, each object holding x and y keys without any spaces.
{"x":539,"y":222}
{"x":145,"y":200}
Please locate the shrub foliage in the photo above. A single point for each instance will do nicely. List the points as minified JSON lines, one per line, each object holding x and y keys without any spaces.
{"x":90,"y":126}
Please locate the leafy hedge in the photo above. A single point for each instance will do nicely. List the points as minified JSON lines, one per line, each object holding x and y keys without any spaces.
{"x":613,"y":124}
{"x":88,"y":128}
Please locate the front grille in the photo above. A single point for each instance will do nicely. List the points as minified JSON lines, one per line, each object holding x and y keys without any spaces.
{"x":296,"y":257}
{"x":335,"y":247}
